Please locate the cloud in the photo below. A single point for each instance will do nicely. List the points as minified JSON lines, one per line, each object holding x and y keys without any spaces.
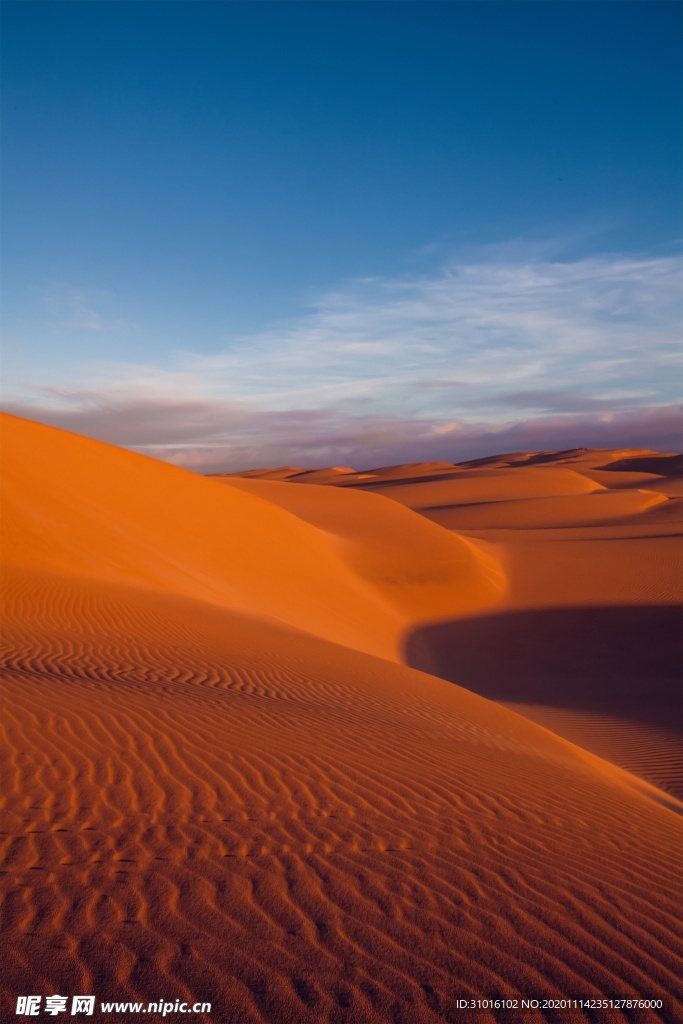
{"x":214,"y":437}
{"x":597,"y":326}
{"x":476,"y":358}
{"x":557,"y":401}
{"x":82,"y":309}
{"x":143,"y":422}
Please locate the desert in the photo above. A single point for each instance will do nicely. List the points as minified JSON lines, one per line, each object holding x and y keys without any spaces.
{"x":341,"y":512}
{"x":340,"y":746}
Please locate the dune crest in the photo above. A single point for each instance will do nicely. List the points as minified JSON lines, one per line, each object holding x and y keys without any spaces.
{"x":111,"y":515}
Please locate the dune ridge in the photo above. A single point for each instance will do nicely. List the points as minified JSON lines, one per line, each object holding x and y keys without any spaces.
{"x":150,"y":524}
{"x":216,"y":790}
{"x":573,"y":530}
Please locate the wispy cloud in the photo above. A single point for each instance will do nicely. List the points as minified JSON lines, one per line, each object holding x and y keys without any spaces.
{"x":81,"y":309}
{"x":218,"y":436}
{"x":487,"y":354}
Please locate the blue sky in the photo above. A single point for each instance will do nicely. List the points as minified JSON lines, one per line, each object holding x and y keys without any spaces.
{"x":239,"y":234}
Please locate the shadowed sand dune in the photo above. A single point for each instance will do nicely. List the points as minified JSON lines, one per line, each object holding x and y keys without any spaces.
{"x":652,"y":462}
{"x":615,"y":665}
{"x":602,"y":657}
{"x":220,"y":785}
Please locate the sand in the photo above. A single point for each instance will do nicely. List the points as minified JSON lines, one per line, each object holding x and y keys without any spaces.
{"x":227,"y":778}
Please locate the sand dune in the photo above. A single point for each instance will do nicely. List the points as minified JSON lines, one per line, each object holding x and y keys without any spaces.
{"x":576,"y":530}
{"x":145,"y":523}
{"x":616,"y":670}
{"x":552,"y":511}
{"x":221,"y":785}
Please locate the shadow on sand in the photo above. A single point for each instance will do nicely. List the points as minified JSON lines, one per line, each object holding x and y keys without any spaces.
{"x":625,"y":661}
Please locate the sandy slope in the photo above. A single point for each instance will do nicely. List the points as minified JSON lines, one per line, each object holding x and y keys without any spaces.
{"x":215,"y":790}
{"x":586,"y":638}
{"x":115,"y":517}
{"x":595,"y":588}
{"x":571,"y":530}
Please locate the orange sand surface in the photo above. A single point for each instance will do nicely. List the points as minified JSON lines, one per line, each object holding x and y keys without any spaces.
{"x":272,"y":747}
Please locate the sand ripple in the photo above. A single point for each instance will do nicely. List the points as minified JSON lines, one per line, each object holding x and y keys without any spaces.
{"x":220,"y":785}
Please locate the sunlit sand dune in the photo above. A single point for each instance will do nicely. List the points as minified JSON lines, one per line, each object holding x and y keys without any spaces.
{"x":587,"y":636}
{"x":222,"y":786}
{"x":106,"y":514}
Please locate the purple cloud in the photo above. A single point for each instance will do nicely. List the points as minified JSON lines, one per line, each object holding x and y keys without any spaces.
{"x":214,"y":437}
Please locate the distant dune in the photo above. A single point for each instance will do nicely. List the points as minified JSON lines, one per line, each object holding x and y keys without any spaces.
{"x":307,"y":754}
{"x":586,"y":634}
